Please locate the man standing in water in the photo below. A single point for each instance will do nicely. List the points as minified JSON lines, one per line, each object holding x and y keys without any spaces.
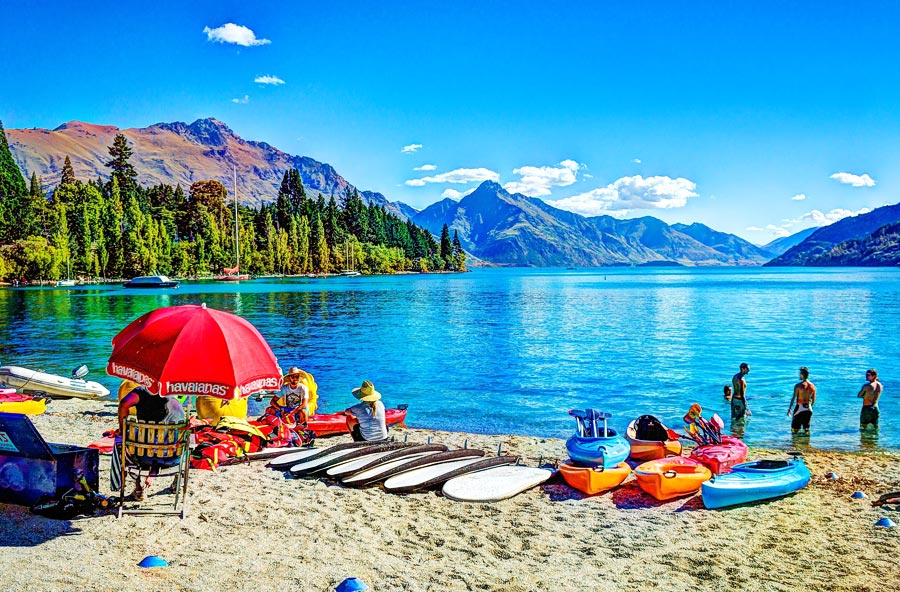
{"x":869,"y":393}
{"x":805,"y":394}
{"x":739,"y":395}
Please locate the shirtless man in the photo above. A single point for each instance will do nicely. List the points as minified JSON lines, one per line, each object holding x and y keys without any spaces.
{"x":869,"y":393}
{"x":805,"y":396}
{"x":739,"y":396}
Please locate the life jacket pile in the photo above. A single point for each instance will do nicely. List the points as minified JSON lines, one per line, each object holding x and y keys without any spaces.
{"x":234,"y":437}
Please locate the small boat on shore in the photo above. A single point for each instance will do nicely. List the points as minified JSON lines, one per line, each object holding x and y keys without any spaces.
{"x":330,"y":424}
{"x":593,"y":445}
{"x":151,"y":281}
{"x":721,"y":457}
{"x":650,"y":439}
{"x":54,"y":385}
{"x":671,"y":477}
{"x":755,"y":481}
{"x":592,"y":480}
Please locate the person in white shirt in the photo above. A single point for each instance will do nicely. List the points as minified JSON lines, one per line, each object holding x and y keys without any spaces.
{"x":366,"y":419}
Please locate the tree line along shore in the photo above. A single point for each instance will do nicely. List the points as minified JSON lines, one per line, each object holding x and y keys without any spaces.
{"x":117,"y":228}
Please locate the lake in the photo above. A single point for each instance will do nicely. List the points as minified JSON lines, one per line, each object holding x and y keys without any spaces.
{"x":512,"y":350}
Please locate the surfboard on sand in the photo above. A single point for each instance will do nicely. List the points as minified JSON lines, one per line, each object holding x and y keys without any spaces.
{"x":286,"y":461}
{"x":495,"y":484}
{"x":345,"y":469}
{"x":433,"y":475}
{"x":321,"y":463}
{"x":381,"y":471}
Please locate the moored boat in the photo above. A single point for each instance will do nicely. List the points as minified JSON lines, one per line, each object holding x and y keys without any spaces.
{"x":52,"y":384}
{"x":151,"y":281}
{"x":721,"y":457}
{"x":593,"y":445}
{"x":675,"y":476}
{"x":591,"y":480}
{"x":650,"y":439}
{"x":755,"y":481}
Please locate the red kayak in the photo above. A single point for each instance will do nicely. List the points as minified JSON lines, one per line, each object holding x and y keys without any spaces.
{"x":721,"y":457}
{"x":330,"y":424}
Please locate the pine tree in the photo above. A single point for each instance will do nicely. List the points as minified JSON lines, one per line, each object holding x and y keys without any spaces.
{"x":68,"y":173}
{"x":459,"y":255}
{"x":446,"y":246}
{"x":12,"y":192}
{"x":318,"y":245}
{"x":120,"y":152}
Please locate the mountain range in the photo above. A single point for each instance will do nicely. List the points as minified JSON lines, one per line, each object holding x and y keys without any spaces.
{"x":493,"y":225}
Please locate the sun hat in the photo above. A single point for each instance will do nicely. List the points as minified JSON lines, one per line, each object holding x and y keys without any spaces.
{"x":366,"y":392}
{"x":293,"y":371}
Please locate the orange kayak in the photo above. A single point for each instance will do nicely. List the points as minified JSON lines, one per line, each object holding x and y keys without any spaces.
{"x":667,"y":478}
{"x":593,"y":480}
{"x":652,"y":449}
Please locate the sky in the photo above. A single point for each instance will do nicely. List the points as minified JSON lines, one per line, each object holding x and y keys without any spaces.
{"x":755,"y":118}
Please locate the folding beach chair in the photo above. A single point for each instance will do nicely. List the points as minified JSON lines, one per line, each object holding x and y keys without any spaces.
{"x":159,"y":450}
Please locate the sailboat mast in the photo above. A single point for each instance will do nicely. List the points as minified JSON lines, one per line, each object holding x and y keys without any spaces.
{"x":237,"y":239}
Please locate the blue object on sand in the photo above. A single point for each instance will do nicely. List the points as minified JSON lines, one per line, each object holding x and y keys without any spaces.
{"x":351,"y":585}
{"x":594,"y":446}
{"x":754,"y":481}
{"x":886,"y":522}
{"x":858,"y":495}
{"x":153,"y":561}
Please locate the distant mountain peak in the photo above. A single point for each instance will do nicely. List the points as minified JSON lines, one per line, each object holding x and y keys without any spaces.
{"x":207,"y":132}
{"x":76,"y":125}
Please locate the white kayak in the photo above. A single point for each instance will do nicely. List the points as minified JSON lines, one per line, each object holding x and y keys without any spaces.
{"x":51,"y":384}
{"x":495,"y":484}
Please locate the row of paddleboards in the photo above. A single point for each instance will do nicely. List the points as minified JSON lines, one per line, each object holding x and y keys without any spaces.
{"x":463,"y":475}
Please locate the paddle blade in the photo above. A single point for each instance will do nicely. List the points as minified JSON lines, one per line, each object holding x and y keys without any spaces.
{"x":717,"y":421}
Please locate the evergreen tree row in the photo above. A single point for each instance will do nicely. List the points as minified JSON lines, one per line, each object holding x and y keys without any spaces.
{"x":120,"y":229}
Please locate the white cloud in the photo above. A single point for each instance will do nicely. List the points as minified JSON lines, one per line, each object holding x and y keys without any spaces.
{"x":454,"y":194}
{"x":587,"y":176}
{"x":799,"y":197}
{"x":636,"y":161}
{"x":268,"y":79}
{"x":243,"y":101}
{"x":537,"y":181}
{"x":410,"y":149}
{"x":754,"y":229}
{"x":778,"y":231}
{"x":854,"y":180}
{"x":629,"y":193}
{"x":810,"y":219}
{"x":426,"y":167}
{"x":232,"y":33}
{"x":457,"y":176}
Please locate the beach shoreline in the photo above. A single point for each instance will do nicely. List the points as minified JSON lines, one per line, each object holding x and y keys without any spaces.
{"x":250,"y":528}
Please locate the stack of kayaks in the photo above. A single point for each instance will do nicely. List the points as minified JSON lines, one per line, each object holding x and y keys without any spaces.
{"x":406,"y":468}
{"x":650,"y":439}
{"x":754,"y":481}
{"x":13,"y":402}
{"x":721,"y":457}
{"x":671,"y":477}
{"x":597,"y":454}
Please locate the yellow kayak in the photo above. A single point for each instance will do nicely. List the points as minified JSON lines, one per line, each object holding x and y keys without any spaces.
{"x":23,"y":404}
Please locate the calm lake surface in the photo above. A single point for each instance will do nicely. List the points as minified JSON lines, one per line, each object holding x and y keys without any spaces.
{"x":511,"y":350}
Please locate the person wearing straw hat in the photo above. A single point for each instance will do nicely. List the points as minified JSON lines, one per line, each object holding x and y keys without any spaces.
{"x":291,"y":404}
{"x":365,"y":420}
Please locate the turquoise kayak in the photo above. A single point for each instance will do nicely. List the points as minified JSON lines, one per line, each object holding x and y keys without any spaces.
{"x":594,"y":445}
{"x":754,"y":481}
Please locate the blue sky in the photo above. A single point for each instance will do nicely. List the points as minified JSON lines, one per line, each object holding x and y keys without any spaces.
{"x":754,"y":118}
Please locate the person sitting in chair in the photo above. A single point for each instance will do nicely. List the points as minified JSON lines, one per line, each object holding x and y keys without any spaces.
{"x":148,"y":407}
{"x":291,"y":404}
{"x":366,"y":420}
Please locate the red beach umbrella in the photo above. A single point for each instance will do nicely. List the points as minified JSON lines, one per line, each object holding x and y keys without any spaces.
{"x":193,"y":350}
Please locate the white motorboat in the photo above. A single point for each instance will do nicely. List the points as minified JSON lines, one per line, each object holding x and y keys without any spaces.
{"x":29,"y":380}
{"x":151,"y":281}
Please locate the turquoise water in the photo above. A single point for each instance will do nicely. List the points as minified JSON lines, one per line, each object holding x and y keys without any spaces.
{"x":511,"y":350}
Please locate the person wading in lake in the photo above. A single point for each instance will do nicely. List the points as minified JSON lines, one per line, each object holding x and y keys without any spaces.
{"x":739,"y":396}
{"x":805,"y":396}
{"x":869,"y":393}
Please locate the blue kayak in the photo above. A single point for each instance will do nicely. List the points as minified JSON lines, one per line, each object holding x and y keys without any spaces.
{"x":594,"y":445}
{"x":754,"y":481}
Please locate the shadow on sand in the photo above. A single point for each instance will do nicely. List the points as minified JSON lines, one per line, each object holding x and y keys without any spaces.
{"x":30,"y":530}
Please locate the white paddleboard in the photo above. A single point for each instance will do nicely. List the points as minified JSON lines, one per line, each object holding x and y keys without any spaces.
{"x":291,"y":458}
{"x":494,"y":484}
{"x":372,"y":474}
{"x":320,"y":463}
{"x":350,"y":466}
{"x":422,"y":474}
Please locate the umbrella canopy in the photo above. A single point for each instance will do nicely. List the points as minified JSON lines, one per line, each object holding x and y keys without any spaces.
{"x":194,"y":350}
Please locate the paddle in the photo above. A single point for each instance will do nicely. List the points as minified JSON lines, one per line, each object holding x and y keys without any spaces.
{"x":888,"y":498}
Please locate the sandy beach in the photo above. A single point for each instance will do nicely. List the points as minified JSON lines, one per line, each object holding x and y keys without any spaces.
{"x":250,"y":528}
